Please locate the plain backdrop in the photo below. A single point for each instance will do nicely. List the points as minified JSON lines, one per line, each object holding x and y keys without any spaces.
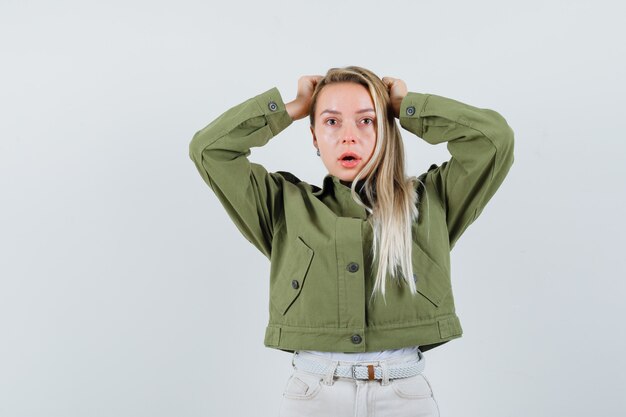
{"x":125,"y":290}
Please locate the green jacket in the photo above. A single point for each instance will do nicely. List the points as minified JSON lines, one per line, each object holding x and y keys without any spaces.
{"x":318,"y":239}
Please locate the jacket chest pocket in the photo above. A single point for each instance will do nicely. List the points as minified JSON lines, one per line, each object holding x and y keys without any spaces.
{"x":292,"y":279}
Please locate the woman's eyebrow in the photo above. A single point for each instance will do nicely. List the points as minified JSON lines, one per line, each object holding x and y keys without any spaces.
{"x":338,"y":112}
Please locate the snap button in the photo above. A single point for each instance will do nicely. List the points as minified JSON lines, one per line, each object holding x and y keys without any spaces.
{"x":273,"y":106}
{"x":295,"y":284}
{"x":410,"y":111}
{"x":356,"y":339}
{"x":353,"y":267}
{"x":415,"y":277}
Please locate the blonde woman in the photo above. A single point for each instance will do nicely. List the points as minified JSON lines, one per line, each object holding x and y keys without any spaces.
{"x":360,"y":269}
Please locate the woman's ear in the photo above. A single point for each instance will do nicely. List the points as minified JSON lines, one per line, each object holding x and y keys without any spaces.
{"x":313,"y":134}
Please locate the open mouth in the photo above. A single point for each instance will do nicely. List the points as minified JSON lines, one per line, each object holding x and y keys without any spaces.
{"x":349,"y":159}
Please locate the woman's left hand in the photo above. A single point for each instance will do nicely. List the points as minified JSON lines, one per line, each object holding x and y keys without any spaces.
{"x":397,"y":91}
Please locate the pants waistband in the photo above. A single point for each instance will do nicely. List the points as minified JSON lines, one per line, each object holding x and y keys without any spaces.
{"x":385,"y":369}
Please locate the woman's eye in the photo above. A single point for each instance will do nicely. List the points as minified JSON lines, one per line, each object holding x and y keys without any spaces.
{"x":368,"y":121}
{"x":331,"y":122}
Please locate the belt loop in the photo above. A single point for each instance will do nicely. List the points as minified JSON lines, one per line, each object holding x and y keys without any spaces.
{"x":385,"y":368}
{"x":330,"y":373}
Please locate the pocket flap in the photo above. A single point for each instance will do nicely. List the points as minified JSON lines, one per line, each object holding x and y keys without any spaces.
{"x":432,"y":282}
{"x":293,"y":279}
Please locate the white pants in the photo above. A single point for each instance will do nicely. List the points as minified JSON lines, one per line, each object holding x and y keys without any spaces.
{"x":310,"y":395}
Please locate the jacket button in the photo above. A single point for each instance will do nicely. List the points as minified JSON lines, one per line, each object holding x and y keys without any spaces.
{"x":273,"y":106}
{"x":410,"y":111}
{"x":356,"y":339}
{"x":353,"y":267}
{"x":295,"y":284}
{"x":415,"y":277}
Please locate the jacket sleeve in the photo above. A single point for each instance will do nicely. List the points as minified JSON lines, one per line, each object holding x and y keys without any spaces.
{"x":250,"y":195}
{"x":481,"y":146}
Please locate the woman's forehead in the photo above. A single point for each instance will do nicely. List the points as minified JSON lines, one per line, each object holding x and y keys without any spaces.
{"x":344,"y":97}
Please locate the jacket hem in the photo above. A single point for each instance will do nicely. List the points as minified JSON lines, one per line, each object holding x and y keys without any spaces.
{"x":428,"y":334}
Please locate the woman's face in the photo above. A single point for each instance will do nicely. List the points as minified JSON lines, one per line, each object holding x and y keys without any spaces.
{"x":345,"y":128}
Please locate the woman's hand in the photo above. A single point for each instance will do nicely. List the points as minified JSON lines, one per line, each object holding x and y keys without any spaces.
{"x":299,"y":108}
{"x":397,"y":91}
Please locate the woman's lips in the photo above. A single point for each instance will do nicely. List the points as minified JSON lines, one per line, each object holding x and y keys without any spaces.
{"x":349,"y":159}
{"x":349,"y":163}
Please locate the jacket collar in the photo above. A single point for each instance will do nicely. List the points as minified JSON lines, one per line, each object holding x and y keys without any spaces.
{"x":333,"y":186}
{"x":332,"y":183}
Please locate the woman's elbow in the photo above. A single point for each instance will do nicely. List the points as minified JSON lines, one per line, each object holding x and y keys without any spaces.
{"x":501,"y":134}
{"x":503,"y":139}
{"x":197,"y":146}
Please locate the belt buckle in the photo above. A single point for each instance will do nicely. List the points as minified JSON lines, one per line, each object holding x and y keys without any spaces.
{"x":354,"y":371}
{"x":370,"y":375}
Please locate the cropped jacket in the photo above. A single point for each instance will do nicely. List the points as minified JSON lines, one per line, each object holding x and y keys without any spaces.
{"x":318,"y":239}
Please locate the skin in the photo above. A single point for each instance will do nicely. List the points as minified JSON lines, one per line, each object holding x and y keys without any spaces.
{"x":344,"y":121}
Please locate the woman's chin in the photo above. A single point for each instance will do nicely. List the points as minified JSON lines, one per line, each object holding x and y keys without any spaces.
{"x":345,"y":176}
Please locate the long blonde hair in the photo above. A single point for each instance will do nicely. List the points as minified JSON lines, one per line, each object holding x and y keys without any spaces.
{"x":391,"y":193}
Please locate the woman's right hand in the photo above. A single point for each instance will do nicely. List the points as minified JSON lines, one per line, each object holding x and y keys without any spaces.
{"x":397,"y":91}
{"x":299,"y":108}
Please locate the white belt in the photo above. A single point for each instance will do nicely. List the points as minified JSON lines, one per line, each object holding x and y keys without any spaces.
{"x":361,"y":371}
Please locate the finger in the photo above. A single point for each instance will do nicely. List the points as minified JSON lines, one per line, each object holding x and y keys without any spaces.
{"x":388,"y":81}
{"x":316,"y":79}
{"x":312,"y":80}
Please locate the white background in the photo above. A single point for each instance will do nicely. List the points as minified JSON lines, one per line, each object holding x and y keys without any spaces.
{"x":125,"y":290}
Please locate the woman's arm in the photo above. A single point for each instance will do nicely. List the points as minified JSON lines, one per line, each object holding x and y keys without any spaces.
{"x":250,"y":195}
{"x":481,"y":146}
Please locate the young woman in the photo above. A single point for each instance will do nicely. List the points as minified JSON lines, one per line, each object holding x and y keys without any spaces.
{"x":360,"y":268}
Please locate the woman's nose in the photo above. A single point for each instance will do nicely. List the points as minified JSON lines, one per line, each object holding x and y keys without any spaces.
{"x":348,"y":135}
